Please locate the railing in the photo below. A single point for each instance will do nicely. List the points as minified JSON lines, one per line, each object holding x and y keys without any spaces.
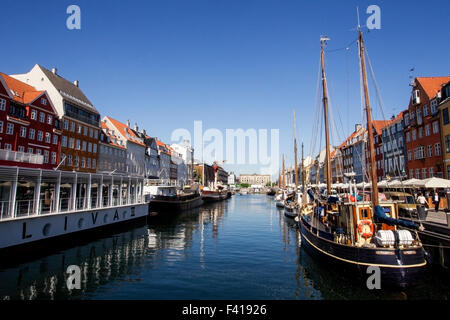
{"x":18,"y":156}
{"x":25,"y":208}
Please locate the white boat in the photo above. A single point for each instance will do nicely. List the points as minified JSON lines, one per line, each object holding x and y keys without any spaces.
{"x":67,"y":203}
{"x":279,"y":199}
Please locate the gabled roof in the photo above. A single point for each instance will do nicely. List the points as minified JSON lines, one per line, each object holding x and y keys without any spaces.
{"x":378,"y":125}
{"x":353,"y":135}
{"x":112,"y":137}
{"x":68,"y":90}
{"x":20,"y":91}
{"x":432,"y":85}
{"x":125,"y":131}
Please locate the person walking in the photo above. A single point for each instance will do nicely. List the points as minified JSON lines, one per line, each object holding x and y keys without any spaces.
{"x":422,"y":200}
{"x":436,"y":201}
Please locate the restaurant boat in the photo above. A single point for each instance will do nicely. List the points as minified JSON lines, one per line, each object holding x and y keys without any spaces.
{"x":356,"y":236}
{"x":38,"y":205}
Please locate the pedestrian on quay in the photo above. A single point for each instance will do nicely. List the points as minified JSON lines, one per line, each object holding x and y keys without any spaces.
{"x":436,"y":199}
{"x":422,"y":200}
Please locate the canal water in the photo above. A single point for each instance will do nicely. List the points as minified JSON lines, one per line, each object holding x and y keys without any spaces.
{"x":241,"y":248}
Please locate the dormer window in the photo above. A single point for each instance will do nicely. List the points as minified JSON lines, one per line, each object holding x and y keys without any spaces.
{"x":44,"y":101}
{"x":415,"y":97}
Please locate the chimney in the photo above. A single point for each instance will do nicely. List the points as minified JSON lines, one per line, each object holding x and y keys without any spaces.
{"x":136,"y":128}
{"x":128,"y":123}
{"x":76,"y":82}
{"x":54,"y":70}
{"x":144,"y":132}
{"x":358,"y":126}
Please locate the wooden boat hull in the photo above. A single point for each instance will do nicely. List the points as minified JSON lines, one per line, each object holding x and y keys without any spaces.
{"x":290,"y":212}
{"x":279,"y":204}
{"x":160,"y":205}
{"x":212,"y":196}
{"x":398,"y":267}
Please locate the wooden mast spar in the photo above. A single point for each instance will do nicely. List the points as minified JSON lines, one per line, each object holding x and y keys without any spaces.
{"x":323,"y":41}
{"x":369,"y":120}
{"x":295,"y":159}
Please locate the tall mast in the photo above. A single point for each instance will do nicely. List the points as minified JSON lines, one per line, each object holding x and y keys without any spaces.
{"x":283,"y":185}
{"x":303,"y":172}
{"x":323,"y":41}
{"x":295,"y":157}
{"x":369,"y":120}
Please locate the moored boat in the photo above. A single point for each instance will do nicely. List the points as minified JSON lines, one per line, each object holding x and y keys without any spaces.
{"x":209,"y":195}
{"x":361,"y":237}
{"x":169,"y":199}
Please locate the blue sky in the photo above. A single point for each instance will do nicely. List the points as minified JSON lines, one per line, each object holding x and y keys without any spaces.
{"x":232,"y":64}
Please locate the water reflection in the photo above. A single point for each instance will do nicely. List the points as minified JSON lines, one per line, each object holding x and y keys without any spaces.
{"x":242,"y":248}
{"x":118,"y":257}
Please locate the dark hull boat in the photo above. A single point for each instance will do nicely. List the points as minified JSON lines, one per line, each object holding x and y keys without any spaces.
{"x":213,"y":196}
{"x":175,"y":203}
{"x":271,"y":192}
{"x":400,"y":265}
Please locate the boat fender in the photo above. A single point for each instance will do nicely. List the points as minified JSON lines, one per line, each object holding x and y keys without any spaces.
{"x":366,"y":234}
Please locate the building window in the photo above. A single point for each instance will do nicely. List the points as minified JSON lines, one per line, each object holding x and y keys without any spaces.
{"x":83,"y":162}
{"x":78,"y":145}
{"x":53,"y":157}
{"x":85,"y":131}
{"x":10,"y":129}
{"x":42,"y":117}
{"x":419,"y":116}
{"x":448,"y":172}
{"x":89,"y":147}
{"x":91,"y":132}
{"x":72,"y":126}
{"x":437,"y":149}
{"x":66,"y":124}
{"x":427,"y":130}
{"x":447,"y":143}
{"x":431,"y":171}
{"x":409,"y":155}
{"x":84,"y":146}
{"x":406,"y":119}
{"x":23,"y":132}
{"x":94,"y":148}
{"x":33,"y":114}
{"x":88,"y":165}
{"x":49,"y":119}
{"x":31,"y":134}
{"x":21,"y":149}
{"x":425,"y":110}
{"x":417,"y":173}
{"x":69,"y":160}
{"x":433,"y":104}
{"x":96,"y":134}
{"x":76,"y":161}
{"x":408,"y":138}
{"x":94,"y":163}
{"x":435,"y":127}
{"x":79,"y":129}
{"x":64,"y":141}
{"x":30,"y":150}
{"x":55,"y":139}
{"x":445,"y":116}
{"x":424,"y":173}
{"x":48,"y":137}
{"x":70,"y":143}
{"x":8,"y":146}
{"x":420,"y":133}
{"x":44,"y":101}
{"x":411,"y":173}
{"x":46,"y":156}
{"x":430,"y":150}
{"x":2,"y":104}
{"x":414,"y":135}
{"x":1,"y":126}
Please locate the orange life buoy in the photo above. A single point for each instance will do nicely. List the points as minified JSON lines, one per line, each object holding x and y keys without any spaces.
{"x":360,"y":226}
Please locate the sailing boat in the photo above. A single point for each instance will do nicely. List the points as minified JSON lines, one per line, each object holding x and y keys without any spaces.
{"x":291,"y":203}
{"x":281,"y":193}
{"x":357,"y":235}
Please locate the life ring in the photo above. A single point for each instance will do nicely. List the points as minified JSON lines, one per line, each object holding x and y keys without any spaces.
{"x":360,"y":226}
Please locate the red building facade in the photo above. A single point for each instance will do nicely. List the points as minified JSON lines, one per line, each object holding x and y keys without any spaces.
{"x":29,"y":126}
{"x":422,"y":132}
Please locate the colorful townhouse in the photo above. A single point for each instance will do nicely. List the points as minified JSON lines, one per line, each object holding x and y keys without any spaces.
{"x":378,"y":138}
{"x":79,"y":118}
{"x":444,"y":104}
{"x":30,"y":132}
{"x":393,"y":149}
{"x":422,"y":129}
